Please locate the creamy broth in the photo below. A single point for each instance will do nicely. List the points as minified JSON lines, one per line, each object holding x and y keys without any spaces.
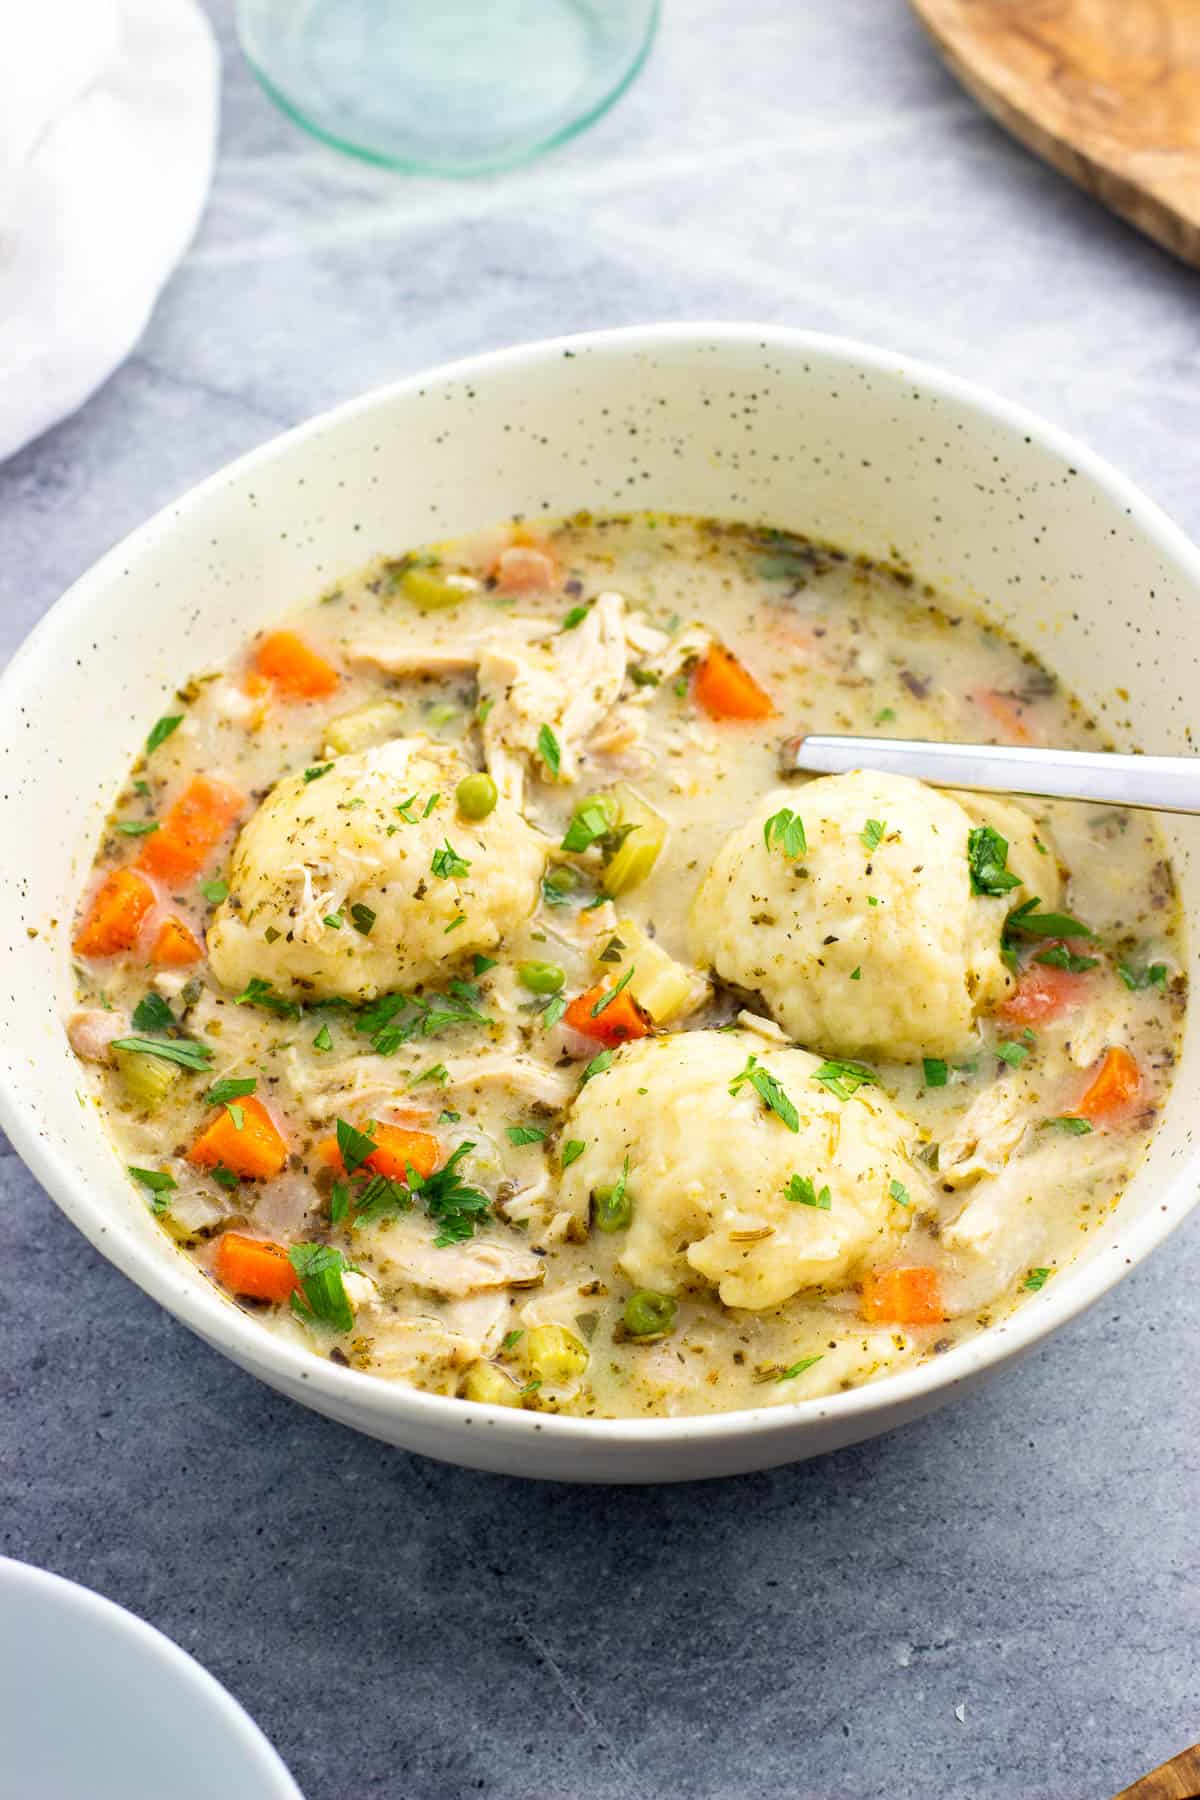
{"x":851,"y":1104}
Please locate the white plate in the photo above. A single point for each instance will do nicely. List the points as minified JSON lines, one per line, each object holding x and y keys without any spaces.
{"x":97,"y":1705}
{"x":857,"y":445}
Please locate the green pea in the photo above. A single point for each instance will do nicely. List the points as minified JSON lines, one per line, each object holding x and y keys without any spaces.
{"x":563,"y":879}
{"x":476,"y":796}
{"x":648,"y":1314}
{"x":541,"y":977}
{"x":612,"y":1209}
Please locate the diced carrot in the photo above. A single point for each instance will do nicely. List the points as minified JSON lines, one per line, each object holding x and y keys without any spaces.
{"x":522,"y":568}
{"x":1042,"y":993}
{"x":175,"y":946}
{"x":295,"y":668}
{"x":616,"y":1023}
{"x":114,"y":918}
{"x":1115,"y":1086}
{"x":257,"y":1149}
{"x":1006,"y":714}
{"x":911,"y":1296}
{"x":255,"y":1267}
{"x":191,"y":830}
{"x":396,"y":1147}
{"x":726,"y":689}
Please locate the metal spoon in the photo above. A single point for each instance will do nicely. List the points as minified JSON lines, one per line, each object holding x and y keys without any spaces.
{"x":1157,"y":783}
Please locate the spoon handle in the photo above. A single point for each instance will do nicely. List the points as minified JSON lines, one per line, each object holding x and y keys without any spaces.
{"x":1158,"y":783}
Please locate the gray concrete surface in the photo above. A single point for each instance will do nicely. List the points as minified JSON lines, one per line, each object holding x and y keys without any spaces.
{"x":999,"y":1602}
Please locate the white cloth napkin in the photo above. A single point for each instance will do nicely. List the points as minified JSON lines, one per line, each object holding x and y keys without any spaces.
{"x":108,"y":116}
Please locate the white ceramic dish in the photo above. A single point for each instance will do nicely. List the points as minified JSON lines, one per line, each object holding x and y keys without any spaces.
{"x":95,"y":1702}
{"x":856,"y":445}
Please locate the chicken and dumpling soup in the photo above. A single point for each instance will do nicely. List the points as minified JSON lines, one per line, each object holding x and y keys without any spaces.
{"x":471,"y":999}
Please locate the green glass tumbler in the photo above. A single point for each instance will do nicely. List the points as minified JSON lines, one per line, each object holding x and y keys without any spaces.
{"x":445,"y":87}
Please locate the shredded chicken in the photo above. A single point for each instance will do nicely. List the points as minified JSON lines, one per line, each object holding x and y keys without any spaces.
{"x":458,"y":658}
{"x":566,"y":685}
{"x":91,"y":1033}
{"x":523,"y":1076}
{"x":985,"y":1137}
{"x":419,"y":1350}
{"x":404,"y":1250}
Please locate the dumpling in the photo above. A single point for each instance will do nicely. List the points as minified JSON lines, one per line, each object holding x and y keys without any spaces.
{"x":870,"y":942}
{"x":721,"y":1187}
{"x":367,"y":878}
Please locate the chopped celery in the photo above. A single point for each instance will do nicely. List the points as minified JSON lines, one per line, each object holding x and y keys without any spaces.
{"x":664,"y":987}
{"x":488,"y":1385}
{"x":372,"y":724}
{"x":432,"y":589}
{"x":147,"y":1080}
{"x":645,"y":833}
{"x":555,"y":1354}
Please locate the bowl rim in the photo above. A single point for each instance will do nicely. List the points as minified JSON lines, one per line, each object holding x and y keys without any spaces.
{"x":72,"y":1600}
{"x":369,"y":1399}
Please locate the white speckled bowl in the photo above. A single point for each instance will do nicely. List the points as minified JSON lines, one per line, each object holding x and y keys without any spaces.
{"x":833,"y":438}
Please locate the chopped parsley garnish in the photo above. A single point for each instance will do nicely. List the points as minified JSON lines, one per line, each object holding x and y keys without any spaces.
{"x":225,"y":1177}
{"x":335,"y":921}
{"x":229,"y":1088}
{"x":405,"y":811}
{"x":553,"y":1011}
{"x":608,"y":998}
{"x":153,"y":1014}
{"x":1036,"y":1279}
{"x":323,"y":1041}
{"x":437,"y":1073}
{"x":856,"y":974}
{"x":801,"y":1191}
{"x":183,"y":1051}
{"x":159,"y":1183}
{"x":886,"y":716}
{"x":215,"y":891}
{"x":575,"y":617}
{"x":1025,"y":921}
{"x":447,"y":863}
{"x":555,"y":890}
{"x":339,"y":1201}
{"x":430,"y":804}
{"x":481,"y":964}
{"x":396,"y":1019}
{"x":362,"y":918}
{"x":549,"y":751}
{"x":378,"y":1198}
{"x":899,"y":1193}
{"x":784,"y":831}
{"x":597,"y":1066}
{"x":1135,"y":979}
{"x":872,"y":833}
{"x":459,"y":919}
{"x":136,"y":827}
{"x":354,"y":1146}
{"x":799,"y":1368}
{"x":317,"y":770}
{"x":524,"y":1134}
{"x":161,"y":731}
{"x":237,"y":1114}
{"x":768,"y":1090}
{"x":1012,"y":1054}
{"x":987,"y":859}
{"x":572,"y":1150}
{"x":645,"y":677}
{"x":511,"y":1339}
{"x":936,"y":1072}
{"x":262,"y":993}
{"x":872,"y":899}
{"x":845,"y":1078}
{"x":589,"y":822}
{"x":320,"y":1268}
{"x":453,"y":1205}
{"x":1069,"y":1123}
{"x":1059,"y":957}
{"x":446,"y":1117}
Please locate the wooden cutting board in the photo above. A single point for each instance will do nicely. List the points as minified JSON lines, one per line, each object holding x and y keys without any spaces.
{"x":1106,"y":90}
